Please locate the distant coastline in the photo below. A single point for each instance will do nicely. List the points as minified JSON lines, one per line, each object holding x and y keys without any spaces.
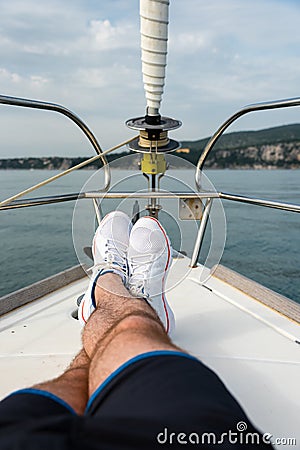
{"x":274,"y":148}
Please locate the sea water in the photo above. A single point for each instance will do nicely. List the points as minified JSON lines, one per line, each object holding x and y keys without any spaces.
{"x":261,"y":243}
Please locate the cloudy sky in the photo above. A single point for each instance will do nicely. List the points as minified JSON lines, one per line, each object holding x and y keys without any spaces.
{"x":85,"y":55}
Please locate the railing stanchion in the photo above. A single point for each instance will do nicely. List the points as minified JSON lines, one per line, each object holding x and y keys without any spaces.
{"x":201,"y":232}
{"x":98,"y":211}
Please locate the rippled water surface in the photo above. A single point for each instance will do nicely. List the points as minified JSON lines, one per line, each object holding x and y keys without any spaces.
{"x":261,"y":243}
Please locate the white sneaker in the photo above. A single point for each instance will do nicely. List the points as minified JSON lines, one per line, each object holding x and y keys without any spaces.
{"x":109,"y":248}
{"x":149,"y":258}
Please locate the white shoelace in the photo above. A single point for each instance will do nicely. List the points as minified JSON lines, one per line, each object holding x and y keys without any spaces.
{"x":139,"y":275}
{"x":114,"y":259}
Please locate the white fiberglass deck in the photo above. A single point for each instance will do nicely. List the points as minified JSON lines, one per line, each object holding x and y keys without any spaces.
{"x":251,"y":347}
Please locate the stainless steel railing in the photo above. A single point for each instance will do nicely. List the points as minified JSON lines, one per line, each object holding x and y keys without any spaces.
{"x":156,"y":194}
{"x":47,"y":200}
{"x":35,"y":104}
{"x":246,"y":110}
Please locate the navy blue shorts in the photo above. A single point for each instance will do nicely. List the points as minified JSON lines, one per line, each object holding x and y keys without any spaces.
{"x":161,"y":399}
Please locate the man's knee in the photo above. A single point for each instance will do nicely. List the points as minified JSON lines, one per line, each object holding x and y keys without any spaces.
{"x":137,"y":322}
{"x":140,"y":322}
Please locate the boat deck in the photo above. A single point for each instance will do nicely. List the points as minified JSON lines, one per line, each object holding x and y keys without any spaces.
{"x":254,"y":349}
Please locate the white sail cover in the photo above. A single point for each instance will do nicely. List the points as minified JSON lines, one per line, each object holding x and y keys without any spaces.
{"x":154,"y":41}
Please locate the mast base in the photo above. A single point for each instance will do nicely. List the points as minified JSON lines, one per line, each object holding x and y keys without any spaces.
{"x":171,"y":146}
{"x":153,"y":134}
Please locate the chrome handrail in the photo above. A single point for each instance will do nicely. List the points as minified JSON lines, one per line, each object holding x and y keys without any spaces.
{"x":46,"y":200}
{"x":209,"y":195}
{"x":152,"y":194}
{"x":39,"y":201}
{"x":245,"y":110}
{"x":292,"y":207}
{"x":36,"y":104}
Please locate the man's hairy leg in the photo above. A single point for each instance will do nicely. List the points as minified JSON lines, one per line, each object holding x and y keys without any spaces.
{"x":72,"y":385}
{"x":121,"y":328}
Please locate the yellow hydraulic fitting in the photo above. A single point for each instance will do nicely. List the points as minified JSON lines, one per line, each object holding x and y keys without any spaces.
{"x":153,"y":163}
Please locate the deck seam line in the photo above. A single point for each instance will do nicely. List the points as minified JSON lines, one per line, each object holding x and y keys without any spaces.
{"x":256,"y":316}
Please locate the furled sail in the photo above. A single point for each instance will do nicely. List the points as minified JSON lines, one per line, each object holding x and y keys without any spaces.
{"x":154,"y":41}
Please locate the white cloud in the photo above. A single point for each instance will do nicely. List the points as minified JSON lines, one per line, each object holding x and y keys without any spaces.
{"x":92,"y":77}
{"x":38,"y":81}
{"x":105,"y":36}
{"x":190,"y":42}
{"x":7,"y":76}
